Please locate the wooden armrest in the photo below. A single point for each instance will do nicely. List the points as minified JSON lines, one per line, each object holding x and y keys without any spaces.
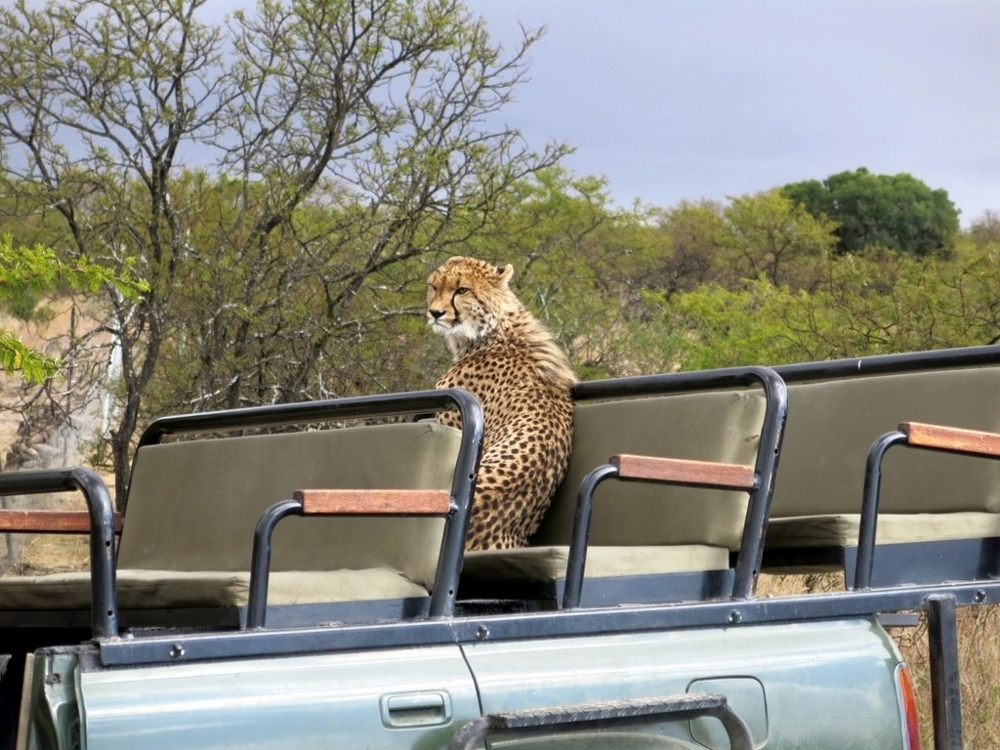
{"x":683,"y":471}
{"x":49,"y":521}
{"x":375,"y":502}
{"x":951,"y":439}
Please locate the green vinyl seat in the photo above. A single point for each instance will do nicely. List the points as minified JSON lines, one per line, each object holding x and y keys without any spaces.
{"x":936,"y":510}
{"x":193,"y":506}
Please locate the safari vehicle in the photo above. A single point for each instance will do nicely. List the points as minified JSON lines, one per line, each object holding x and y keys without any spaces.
{"x":286,"y":576}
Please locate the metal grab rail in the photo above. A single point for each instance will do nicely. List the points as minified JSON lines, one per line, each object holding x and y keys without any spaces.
{"x":260,"y":563}
{"x":104,"y":600}
{"x":360,"y":503}
{"x":886,"y":364}
{"x":646,"y":469}
{"x":311,"y":412}
{"x":912,"y":435}
{"x":588,"y":717}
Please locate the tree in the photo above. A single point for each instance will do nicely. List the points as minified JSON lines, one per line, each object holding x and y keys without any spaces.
{"x":879,"y":303}
{"x":696,"y":235}
{"x":884,"y":303}
{"x":761,"y":235}
{"x":772,"y":237}
{"x":26,"y":272}
{"x":712,"y":326}
{"x":898,"y":212}
{"x":341,"y":143}
{"x":986,"y":229}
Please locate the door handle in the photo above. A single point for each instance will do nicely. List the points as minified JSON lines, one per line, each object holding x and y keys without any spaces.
{"x":423,"y":709}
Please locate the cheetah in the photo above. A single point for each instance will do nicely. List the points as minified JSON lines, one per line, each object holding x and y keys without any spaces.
{"x":511,"y":363}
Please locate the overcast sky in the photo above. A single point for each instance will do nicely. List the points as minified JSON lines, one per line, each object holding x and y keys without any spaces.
{"x":690,"y":99}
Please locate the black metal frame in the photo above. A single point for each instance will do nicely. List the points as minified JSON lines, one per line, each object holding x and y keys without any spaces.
{"x":942,"y":628}
{"x":965,"y":556}
{"x":488,"y":596}
{"x":104,"y":601}
{"x":330,"y":410}
{"x":680,"y":615}
{"x":870,"y":503}
{"x":522,"y":626}
{"x":313,"y":412}
{"x":442,"y":599}
{"x":260,"y":562}
{"x":946,"y":693}
{"x":735,"y":582}
{"x":885,"y":364}
{"x":899,"y":563}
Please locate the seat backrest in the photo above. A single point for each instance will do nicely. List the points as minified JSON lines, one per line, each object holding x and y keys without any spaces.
{"x":832,"y":424}
{"x":193,"y":505}
{"x":720,"y":426}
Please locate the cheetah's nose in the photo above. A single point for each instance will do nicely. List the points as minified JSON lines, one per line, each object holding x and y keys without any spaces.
{"x":436,"y":313}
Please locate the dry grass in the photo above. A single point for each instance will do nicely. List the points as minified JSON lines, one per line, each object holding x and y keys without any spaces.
{"x":49,"y":553}
{"x":978,"y":653}
{"x":38,"y":554}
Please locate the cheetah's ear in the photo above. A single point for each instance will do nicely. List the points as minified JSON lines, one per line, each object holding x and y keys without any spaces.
{"x":504,"y":274}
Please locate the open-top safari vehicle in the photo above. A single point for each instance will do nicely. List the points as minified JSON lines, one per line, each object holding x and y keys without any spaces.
{"x":294,"y":576}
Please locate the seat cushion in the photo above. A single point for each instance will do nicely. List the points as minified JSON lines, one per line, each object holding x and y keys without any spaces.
{"x":549,"y":563}
{"x":841,"y":530}
{"x":158,"y":589}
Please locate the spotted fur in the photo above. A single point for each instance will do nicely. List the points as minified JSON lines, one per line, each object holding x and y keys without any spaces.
{"x":510,"y":361}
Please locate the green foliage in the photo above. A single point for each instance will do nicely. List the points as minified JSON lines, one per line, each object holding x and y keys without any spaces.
{"x":27,"y":272}
{"x":880,"y":303}
{"x":21,"y":302}
{"x":762,"y":235}
{"x":884,"y":302}
{"x":712,"y":326}
{"x":693,"y":238}
{"x":33,"y":366}
{"x":898,"y":212}
{"x":770,"y":235}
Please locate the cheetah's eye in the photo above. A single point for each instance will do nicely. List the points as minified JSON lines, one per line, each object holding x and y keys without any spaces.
{"x":462,"y":290}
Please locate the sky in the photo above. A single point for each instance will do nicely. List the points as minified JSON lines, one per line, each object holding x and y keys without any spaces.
{"x":675,"y":100}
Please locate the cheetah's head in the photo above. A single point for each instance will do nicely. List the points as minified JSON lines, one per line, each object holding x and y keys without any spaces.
{"x":465,"y":300}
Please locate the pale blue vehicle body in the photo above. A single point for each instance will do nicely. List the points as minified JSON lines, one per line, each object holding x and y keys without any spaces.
{"x":821,"y":684}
